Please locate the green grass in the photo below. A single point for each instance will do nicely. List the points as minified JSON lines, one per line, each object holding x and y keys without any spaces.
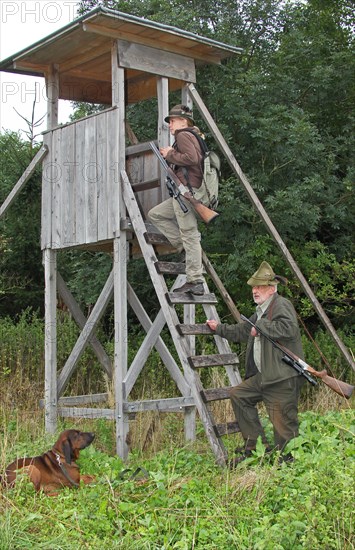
{"x":188,"y":502}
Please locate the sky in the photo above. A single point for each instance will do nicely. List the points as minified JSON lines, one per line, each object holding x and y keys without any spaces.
{"x":22,"y":23}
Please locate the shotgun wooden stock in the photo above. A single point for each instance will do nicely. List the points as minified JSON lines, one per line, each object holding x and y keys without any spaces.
{"x":205,"y":213}
{"x":342,"y":388}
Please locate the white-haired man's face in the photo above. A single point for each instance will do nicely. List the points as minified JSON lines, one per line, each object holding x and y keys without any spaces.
{"x":262,"y":293}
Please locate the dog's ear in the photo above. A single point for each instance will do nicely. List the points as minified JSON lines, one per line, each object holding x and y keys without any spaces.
{"x":67,"y":451}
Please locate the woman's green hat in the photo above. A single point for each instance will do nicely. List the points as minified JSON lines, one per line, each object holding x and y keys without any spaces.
{"x":180,"y":111}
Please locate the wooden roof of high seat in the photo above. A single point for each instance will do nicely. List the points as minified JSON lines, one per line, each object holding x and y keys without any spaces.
{"x":81,"y":51}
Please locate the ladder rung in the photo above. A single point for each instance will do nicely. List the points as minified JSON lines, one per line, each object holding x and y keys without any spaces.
{"x":170,"y":268}
{"x":216,"y":394}
{"x":156,"y":238}
{"x":198,"y":361}
{"x":188,"y":330}
{"x":185,"y":298}
{"x":225,"y":429}
{"x":144,"y":185}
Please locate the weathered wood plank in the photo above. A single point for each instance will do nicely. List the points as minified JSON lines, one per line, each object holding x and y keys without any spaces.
{"x":68,"y":187}
{"x":187,"y":330}
{"x":50,"y":339}
{"x":57,"y":182}
{"x":91,"y":177}
{"x":227,"y":429}
{"x":102,"y":155}
{"x":46,"y":202}
{"x":172,"y":404}
{"x":79,"y":399}
{"x":156,"y":238}
{"x":190,"y":415}
{"x":80,"y":212}
{"x":152,"y":60}
{"x":170,"y":268}
{"x":52,"y":89}
{"x":185,"y":298}
{"x":120,"y":261}
{"x":114,"y":139}
{"x":145,"y":185}
{"x":76,"y":412}
{"x":138,"y":149}
{"x":216,"y":394}
{"x":163,"y":133}
{"x":199,"y":361}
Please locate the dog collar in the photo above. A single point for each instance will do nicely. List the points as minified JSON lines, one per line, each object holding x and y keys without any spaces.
{"x":62,"y":467}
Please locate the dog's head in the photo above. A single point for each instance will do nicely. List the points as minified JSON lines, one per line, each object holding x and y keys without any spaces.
{"x":71,"y":442}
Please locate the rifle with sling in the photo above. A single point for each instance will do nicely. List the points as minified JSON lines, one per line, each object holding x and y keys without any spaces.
{"x":340,"y":387}
{"x":177,"y":189}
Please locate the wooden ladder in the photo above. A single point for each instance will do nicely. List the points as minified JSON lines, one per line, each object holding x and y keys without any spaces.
{"x":182,"y":333}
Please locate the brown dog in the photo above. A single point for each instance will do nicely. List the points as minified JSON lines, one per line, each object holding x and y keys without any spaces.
{"x":55,"y":468}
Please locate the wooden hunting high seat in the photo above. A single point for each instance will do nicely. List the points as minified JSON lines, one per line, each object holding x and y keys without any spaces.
{"x":98,"y":183}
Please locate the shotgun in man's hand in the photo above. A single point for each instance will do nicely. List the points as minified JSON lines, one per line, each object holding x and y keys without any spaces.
{"x":340,"y":387}
{"x":177,"y":189}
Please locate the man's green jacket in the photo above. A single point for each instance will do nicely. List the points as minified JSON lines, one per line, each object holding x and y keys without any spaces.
{"x":279,"y":322}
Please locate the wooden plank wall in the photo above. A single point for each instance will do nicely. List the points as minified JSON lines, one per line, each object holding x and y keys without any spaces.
{"x":80,"y":182}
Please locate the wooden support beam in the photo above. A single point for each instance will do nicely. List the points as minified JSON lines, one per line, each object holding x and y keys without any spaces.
{"x":155,"y":61}
{"x":81,"y":320}
{"x":142,"y":354}
{"x":190,"y":413}
{"x":78,"y":412}
{"x":160,"y":346}
{"x":86,"y":334}
{"x":163,"y":132}
{"x":120,"y":262}
{"x":74,"y":400}
{"x":171,"y":404}
{"x":188,"y":329}
{"x":23,"y":179}
{"x":267,"y":221}
{"x":50,"y":339}
{"x":52,"y":88}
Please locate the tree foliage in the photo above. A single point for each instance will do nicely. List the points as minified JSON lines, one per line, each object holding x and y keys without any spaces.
{"x":285,"y":107}
{"x":21,"y":273}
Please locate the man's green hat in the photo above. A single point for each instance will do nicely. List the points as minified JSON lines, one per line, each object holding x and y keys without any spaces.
{"x":180,"y":111}
{"x":265,"y":276}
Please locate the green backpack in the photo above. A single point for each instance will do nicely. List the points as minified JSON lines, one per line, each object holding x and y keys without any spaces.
{"x":211,"y":170}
